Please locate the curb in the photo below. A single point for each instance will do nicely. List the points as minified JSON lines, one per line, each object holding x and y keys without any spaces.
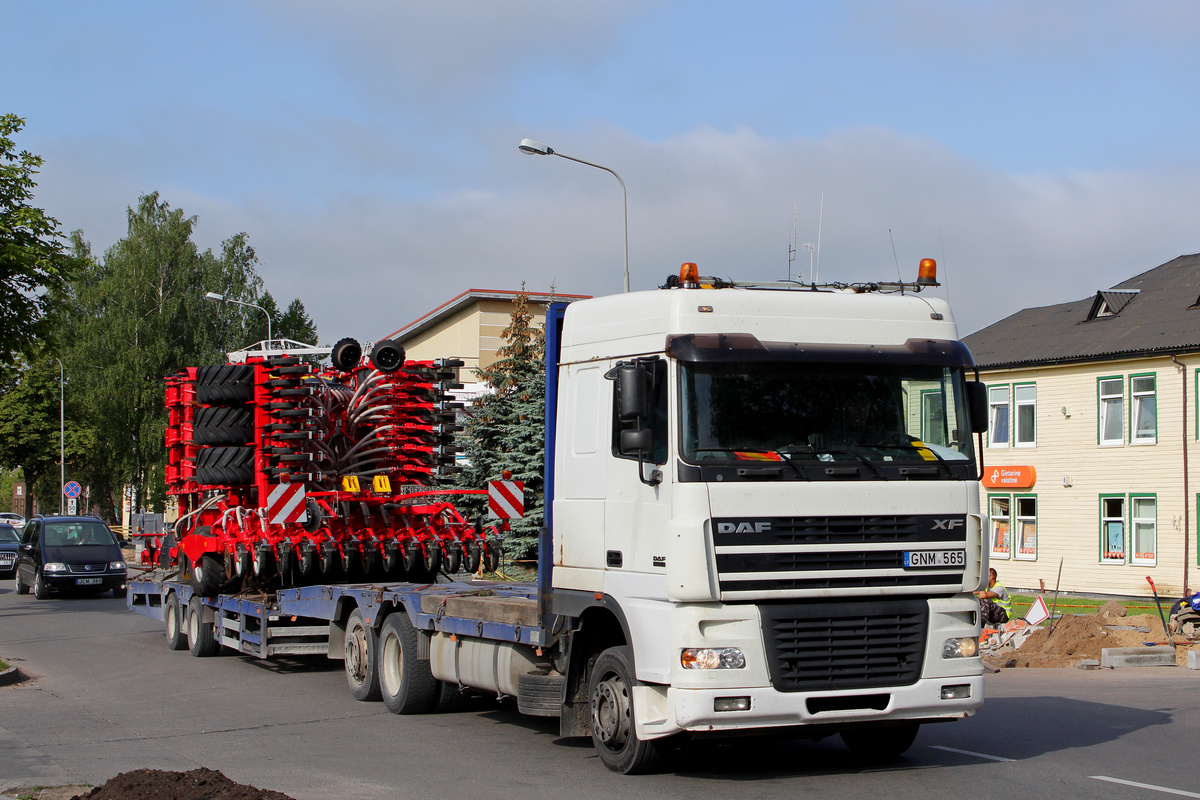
{"x":10,"y":675}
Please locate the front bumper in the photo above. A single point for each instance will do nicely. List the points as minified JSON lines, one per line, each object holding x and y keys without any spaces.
{"x":68,"y":580}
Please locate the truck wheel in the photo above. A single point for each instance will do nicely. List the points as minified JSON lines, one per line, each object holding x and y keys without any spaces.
{"x":40,"y":590}
{"x":610,"y":698}
{"x":361,"y":653}
{"x":176,"y":637}
{"x":408,"y":685}
{"x":208,"y":576}
{"x":202,"y":640}
{"x":20,"y":585}
{"x":881,"y":742}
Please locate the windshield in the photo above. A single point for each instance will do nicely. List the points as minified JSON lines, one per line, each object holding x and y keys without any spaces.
{"x":69,"y":534}
{"x":874,"y":415}
{"x":8,"y":534}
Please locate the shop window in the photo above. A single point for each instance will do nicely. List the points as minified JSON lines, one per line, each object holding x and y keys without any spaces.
{"x":998,"y":397}
{"x":1112,"y":530}
{"x":1144,"y":523}
{"x":1144,"y":423}
{"x":1025,"y":400}
{"x":1026,"y":528}
{"x":999,"y":511}
{"x":1112,"y":410}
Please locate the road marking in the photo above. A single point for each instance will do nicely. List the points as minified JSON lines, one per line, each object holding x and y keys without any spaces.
{"x":973,"y":753}
{"x":1151,"y":786}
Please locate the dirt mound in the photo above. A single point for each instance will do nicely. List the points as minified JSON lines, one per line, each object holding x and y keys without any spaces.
{"x":1078,"y":637}
{"x":197,"y":784}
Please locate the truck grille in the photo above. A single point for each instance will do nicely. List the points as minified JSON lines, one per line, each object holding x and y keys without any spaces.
{"x":844,"y":645}
{"x":802,"y":555}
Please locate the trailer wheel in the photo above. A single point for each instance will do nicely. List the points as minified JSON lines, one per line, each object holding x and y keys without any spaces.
{"x":610,"y":698}
{"x":407,"y":684}
{"x":361,"y":653}
{"x":883,"y":742}
{"x":173,"y":619}
{"x":225,"y":385}
{"x":207,"y":576}
{"x":202,"y":640}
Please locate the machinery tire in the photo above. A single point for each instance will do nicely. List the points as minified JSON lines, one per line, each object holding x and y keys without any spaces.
{"x":228,"y":384}
{"x":430,"y":558}
{"x":393,"y":562}
{"x":474,"y":557}
{"x":453,"y":558}
{"x":491,"y":556}
{"x":387,"y":356}
{"x":308,"y":560}
{"x":225,"y":466}
{"x":208,"y":576}
{"x":610,"y":701}
{"x":264,"y":562}
{"x":880,"y":743}
{"x":20,"y":586}
{"x":362,"y":654}
{"x":201,"y":638}
{"x":329,"y":560}
{"x":243,"y":563}
{"x":284,"y":562}
{"x":346,"y":355}
{"x":412,"y":558}
{"x":405,"y":681}
{"x":539,"y":694}
{"x":174,"y":623}
{"x":219,"y":425}
{"x":40,"y":590}
{"x":351,"y":561}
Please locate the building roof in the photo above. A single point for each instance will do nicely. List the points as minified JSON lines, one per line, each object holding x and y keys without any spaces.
{"x":455,"y":304}
{"x":1157,"y":311}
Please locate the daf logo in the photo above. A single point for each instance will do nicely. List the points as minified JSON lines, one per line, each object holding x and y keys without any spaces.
{"x":743,"y":527}
{"x":947,"y":524}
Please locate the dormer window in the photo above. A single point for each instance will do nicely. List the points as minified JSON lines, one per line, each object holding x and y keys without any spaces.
{"x":1109,"y":303}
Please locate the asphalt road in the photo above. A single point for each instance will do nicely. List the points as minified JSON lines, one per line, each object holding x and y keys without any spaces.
{"x":107,"y":696}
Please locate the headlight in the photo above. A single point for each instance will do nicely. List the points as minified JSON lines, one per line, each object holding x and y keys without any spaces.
{"x":712,"y":658}
{"x":55,"y":566}
{"x":967,"y":647}
{"x":116,"y":566}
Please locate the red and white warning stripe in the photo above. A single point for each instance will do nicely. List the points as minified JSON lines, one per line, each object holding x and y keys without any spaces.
{"x":506,"y":499}
{"x":285,"y":504}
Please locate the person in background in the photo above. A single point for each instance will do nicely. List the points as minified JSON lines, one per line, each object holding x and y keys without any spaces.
{"x":995,"y":606}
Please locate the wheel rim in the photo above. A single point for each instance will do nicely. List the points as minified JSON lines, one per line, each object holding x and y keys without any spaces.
{"x":391,"y":665}
{"x":356,"y":654}
{"x":193,"y":626}
{"x":610,"y":712}
{"x":172,"y":621}
{"x":38,"y":585}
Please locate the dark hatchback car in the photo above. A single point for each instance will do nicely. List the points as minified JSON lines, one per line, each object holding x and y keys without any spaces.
{"x":9,"y":539}
{"x":77,"y":553}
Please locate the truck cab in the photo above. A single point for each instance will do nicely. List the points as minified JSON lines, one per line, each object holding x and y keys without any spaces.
{"x":765,"y":498}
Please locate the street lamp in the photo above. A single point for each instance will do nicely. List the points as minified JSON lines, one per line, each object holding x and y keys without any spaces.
{"x":532,"y":148}
{"x":62,"y":440}
{"x":213,"y":297}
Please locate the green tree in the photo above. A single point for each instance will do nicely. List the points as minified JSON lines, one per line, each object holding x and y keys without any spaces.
{"x":139,"y":315}
{"x":33,"y":265}
{"x":297,"y":325}
{"x":506,"y":427}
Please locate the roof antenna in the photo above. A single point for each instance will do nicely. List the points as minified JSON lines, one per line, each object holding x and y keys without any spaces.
{"x":820,"y":222}
{"x":899,"y":277}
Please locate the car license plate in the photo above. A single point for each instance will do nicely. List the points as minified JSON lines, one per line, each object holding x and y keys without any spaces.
{"x":916,"y":559}
{"x":7,"y":560}
{"x":88,"y":581}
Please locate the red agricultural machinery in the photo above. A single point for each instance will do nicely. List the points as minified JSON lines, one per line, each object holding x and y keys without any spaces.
{"x":294,"y":474}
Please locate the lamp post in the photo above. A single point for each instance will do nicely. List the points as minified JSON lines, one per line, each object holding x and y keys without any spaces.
{"x":530,"y":147}
{"x":213,"y":297}
{"x":62,"y":439}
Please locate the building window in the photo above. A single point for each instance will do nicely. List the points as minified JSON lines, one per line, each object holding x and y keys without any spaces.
{"x":1112,"y":410}
{"x":998,"y":416}
{"x":933,"y":418}
{"x":1144,"y":523}
{"x":1112,"y":530}
{"x":1026,"y":544}
{"x":1025,"y":400}
{"x":1144,"y":423}
{"x":998,"y":512}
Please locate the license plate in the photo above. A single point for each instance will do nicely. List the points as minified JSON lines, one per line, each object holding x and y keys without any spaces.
{"x":916,"y":559}
{"x":88,"y":581}
{"x":7,"y":561}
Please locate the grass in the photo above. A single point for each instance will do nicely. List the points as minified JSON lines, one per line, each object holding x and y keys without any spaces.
{"x":3,"y":666}
{"x":1078,"y":605}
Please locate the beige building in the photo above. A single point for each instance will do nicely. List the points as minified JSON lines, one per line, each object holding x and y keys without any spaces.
{"x":1094,"y":437}
{"x":468,"y":327}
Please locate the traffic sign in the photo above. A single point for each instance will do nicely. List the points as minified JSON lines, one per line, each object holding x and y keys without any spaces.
{"x":72,"y":489}
{"x":72,"y":508}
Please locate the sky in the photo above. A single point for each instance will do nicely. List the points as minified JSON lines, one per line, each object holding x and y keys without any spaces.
{"x":1040,"y":150}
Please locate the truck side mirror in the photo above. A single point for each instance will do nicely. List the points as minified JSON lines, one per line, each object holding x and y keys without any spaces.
{"x":636,"y":442}
{"x":977,"y":405}
{"x":633,"y":385}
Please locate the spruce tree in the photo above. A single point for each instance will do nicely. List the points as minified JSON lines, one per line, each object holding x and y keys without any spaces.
{"x":505,"y":428}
